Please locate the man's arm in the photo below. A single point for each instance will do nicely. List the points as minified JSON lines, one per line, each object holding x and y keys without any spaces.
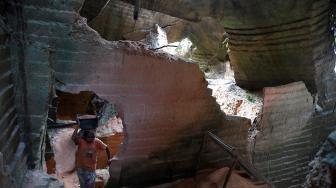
{"x":74,"y":136}
{"x":101,"y":146}
{"x":108,"y":152}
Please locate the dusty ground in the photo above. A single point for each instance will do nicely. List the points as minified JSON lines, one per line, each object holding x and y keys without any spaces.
{"x":64,"y":155}
{"x":214,"y":180}
{"x":36,"y":178}
{"x":114,"y":125}
{"x":62,"y":145}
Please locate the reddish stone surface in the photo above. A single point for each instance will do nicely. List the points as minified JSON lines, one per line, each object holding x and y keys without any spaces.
{"x":214,"y":180}
{"x":51,"y":166}
{"x":72,"y":104}
{"x":113,"y":142}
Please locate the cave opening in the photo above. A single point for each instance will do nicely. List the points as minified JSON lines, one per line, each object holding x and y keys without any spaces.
{"x":61,"y":124}
{"x":218,"y":72}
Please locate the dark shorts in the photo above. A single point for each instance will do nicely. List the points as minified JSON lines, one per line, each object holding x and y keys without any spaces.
{"x":86,"y":178}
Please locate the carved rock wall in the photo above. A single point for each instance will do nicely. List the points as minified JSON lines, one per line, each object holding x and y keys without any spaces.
{"x":42,"y":21}
{"x":164,"y":102}
{"x":290,"y":134}
{"x":282,"y":147}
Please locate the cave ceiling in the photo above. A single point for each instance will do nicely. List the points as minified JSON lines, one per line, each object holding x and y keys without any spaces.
{"x":114,"y":20}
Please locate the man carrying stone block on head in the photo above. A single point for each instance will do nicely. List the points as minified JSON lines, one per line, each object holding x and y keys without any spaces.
{"x":88,"y":145}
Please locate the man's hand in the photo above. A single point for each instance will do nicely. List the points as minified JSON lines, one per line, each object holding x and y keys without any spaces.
{"x":108,"y":152}
{"x":74,"y":136}
{"x":109,"y":162}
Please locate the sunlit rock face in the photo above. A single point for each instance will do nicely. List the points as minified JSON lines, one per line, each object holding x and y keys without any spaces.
{"x":157,"y":38}
{"x":116,"y":22}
